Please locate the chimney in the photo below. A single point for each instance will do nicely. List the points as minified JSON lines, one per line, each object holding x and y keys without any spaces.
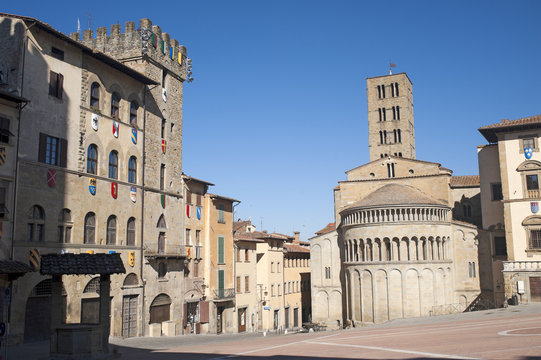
{"x":297,"y":237}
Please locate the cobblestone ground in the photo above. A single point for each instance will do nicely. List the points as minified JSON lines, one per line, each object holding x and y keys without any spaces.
{"x":512,"y":333}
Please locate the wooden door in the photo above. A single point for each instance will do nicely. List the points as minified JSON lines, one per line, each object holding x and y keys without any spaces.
{"x":296,"y":317}
{"x":242,"y":319}
{"x":37,"y":320}
{"x":286,"y":318}
{"x":535,"y":289}
{"x":129,"y":316}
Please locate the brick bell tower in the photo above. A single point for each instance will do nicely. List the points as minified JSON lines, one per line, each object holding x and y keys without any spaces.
{"x":390,"y":116}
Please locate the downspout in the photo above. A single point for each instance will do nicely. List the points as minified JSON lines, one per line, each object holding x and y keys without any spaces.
{"x":143,"y":212}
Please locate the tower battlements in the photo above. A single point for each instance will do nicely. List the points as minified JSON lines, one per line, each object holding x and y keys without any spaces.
{"x":135,"y":43}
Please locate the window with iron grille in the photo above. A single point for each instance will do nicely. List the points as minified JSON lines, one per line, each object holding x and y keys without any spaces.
{"x":64,"y":226}
{"x":133,"y":112}
{"x":113,"y":165}
{"x":130,"y":232}
{"x":111,"y":230}
{"x":90,"y":228}
{"x":132,"y":170}
{"x":535,"y":239}
{"x":95,"y":96}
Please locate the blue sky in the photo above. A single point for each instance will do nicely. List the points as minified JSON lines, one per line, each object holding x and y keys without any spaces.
{"x":277,"y":111}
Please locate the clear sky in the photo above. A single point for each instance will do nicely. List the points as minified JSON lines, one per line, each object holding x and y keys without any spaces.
{"x":277,"y":111}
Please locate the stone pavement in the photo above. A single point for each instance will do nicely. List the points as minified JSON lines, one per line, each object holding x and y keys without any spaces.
{"x":146,"y":346}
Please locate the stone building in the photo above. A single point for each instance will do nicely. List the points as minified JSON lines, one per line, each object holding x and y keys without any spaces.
{"x":402,"y":254}
{"x":98,"y":165}
{"x":281,"y":300}
{"x":509,"y":169}
{"x":208,"y":272}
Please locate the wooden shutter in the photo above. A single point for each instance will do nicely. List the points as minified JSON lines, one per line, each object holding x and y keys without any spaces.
{"x":221,"y":276}
{"x":63,"y":152}
{"x":59,"y":85}
{"x":42,"y":147}
{"x":53,"y":83}
{"x":220,"y":250}
{"x":238,"y":284}
{"x":204,"y":311}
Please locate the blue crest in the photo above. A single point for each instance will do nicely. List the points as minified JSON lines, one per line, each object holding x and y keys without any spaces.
{"x":92,"y":189}
{"x":528,"y":152}
{"x":534,"y":206}
{"x":134,"y":136}
{"x":199,"y":213}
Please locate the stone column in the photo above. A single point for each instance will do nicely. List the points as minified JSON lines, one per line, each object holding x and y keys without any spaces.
{"x":105,"y":310}
{"x":56,"y":311}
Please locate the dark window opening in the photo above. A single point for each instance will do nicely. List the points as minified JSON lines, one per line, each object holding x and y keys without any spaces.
{"x":57,"y":53}
{"x":55,"y":84}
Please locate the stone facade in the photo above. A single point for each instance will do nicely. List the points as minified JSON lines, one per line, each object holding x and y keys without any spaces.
{"x":93,"y":175}
{"x":510,"y":167}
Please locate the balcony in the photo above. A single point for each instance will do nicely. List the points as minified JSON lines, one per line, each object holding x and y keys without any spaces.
{"x":533,"y":194}
{"x":223,"y":294}
{"x":162,"y":251}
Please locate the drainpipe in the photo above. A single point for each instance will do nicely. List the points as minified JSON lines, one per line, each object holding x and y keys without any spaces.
{"x":143,"y":282}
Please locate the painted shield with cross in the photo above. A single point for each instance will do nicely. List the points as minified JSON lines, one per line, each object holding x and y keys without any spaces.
{"x":51,"y":177}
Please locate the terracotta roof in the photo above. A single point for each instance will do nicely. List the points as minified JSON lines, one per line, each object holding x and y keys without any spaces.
{"x":459,"y":222}
{"x":81,"y":264}
{"x":241,"y":224}
{"x":14,"y":267}
{"x":395,"y":194}
{"x":92,"y":52}
{"x":214,"y":196}
{"x":189,"y":178}
{"x":489,"y":131}
{"x":327,"y":229}
{"x":295,"y":248}
{"x":465,"y":181}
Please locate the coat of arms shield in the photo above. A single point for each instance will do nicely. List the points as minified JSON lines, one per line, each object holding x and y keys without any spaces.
{"x":528,"y":152}
{"x":133,"y":193}
{"x":92,"y":186}
{"x":534,"y":205}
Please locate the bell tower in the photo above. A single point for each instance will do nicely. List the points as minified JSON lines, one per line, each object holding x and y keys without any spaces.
{"x":390,"y":116}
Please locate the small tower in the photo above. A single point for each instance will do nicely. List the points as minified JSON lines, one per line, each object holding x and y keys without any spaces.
{"x":390,"y":116}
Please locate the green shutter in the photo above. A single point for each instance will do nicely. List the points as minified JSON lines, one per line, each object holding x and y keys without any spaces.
{"x":221,"y":250}
{"x":221,"y":274}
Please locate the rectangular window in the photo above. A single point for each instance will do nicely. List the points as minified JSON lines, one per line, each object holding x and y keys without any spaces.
{"x":197,"y":237}
{"x":496,"y":191}
{"x":198,"y":199}
{"x":532,"y":182}
{"x":55,"y":84}
{"x":535,"y":239}
{"x":162,"y":177}
{"x":221,"y":217}
{"x":238,"y":284}
{"x":57,"y":53}
{"x":246,"y":284}
{"x":246,"y":255}
{"x":221,"y":250}
{"x":238,"y":255}
{"x":52,"y":150}
{"x":4,"y":130}
{"x":188,"y":197}
{"x":500,"y":246}
{"x":528,"y":143}
{"x":188,"y":237}
{"x":272,"y":266}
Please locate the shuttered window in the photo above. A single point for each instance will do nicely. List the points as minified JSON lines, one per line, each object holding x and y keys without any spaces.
{"x":160,"y":309}
{"x":56,"y":82}
{"x":52,"y":150}
{"x":221,"y":250}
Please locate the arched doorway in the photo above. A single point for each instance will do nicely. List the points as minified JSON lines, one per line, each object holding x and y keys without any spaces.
{"x":160,"y":309}
{"x":37,"y":319}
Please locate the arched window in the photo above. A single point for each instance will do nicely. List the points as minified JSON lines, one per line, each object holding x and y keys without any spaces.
{"x":161,"y":236}
{"x":132,"y":170}
{"x":90,"y":228}
{"x":92,"y":159}
{"x":111,"y":230}
{"x":130,"y":232}
{"x":133,"y":112}
{"x":93,"y":286}
{"x":113,"y":165}
{"x":36,"y":224}
{"x":64,"y":226}
{"x":95,"y":96}
{"x":131,"y":280}
{"x":115,"y":105}
{"x":160,"y":309}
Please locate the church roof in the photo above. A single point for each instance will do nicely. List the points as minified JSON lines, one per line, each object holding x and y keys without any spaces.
{"x":395,"y":194}
{"x":327,"y":229}
{"x":465,"y":181}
